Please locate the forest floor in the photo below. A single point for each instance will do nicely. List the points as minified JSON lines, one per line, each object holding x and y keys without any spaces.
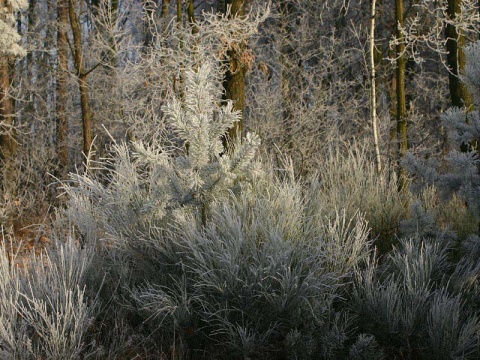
{"x":22,"y":243}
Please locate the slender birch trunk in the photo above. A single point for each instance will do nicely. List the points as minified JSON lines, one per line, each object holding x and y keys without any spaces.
{"x":373,"y":101}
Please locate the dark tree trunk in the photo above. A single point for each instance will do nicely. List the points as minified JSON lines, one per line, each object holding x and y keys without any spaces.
{"x":456,"y":62}
{"x":456,"y":59}
{"x":401,"y":113}
{"x":191,"y":16}
{"x":82,"y":78}
{"x":62,"y":93}
{"x":291,"y":72}
{"x":234,"y":82}
{"x":179,"y":14}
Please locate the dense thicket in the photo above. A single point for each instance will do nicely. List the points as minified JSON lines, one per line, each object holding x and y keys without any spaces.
{"x":206,"y":175}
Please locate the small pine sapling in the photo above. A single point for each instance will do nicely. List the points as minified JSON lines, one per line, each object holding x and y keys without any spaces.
{"x":206,"y":170}
{"x":145,"y":185}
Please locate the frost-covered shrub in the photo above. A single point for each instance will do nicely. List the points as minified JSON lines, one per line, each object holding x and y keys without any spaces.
{"x":456,"y":177}
{"x":258,"y":276}
{"x":46,"y":310}
{"x":25,"y":183}
{"x":452,"y":329}
{"x":416,"y":303}
{"x":54,"y":303}
{"x":250,"y":284}
{"x":432,"y":216}
{"x":366,"y":348}
{"x":13,"y":331}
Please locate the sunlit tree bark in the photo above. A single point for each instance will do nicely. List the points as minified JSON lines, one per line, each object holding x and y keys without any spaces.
{"x":7,"y":108}
{"x":234,"y":83}
{"x":165,"y":7}
{"x":8,"y":49}
{"x":191,"y":16}
{"x":79,"y":61}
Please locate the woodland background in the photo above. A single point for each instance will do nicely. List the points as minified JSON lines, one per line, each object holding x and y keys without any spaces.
{"x":300,"y":74}
{"x":201,"y":179}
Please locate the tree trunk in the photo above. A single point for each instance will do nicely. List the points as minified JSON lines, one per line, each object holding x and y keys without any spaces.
{"x":7,"y":109}
{"x":86,"y":114}
{"x":456,"y":62}
{"x":456,"y":59}
{"x":62,"y":93}
{"x":7,"y":103}
{"x":373,"y":94}
{"x":165,"y":7}
{"x":401,"y":113}
{"x":180,"y":89}
{"x":8,"y":144}
{"x":82,"y":79}
{"x":234,"y":82}
{"x":290,"y":70}
{"x":179,"y":14}
{"x":191,"y":16}
{"x":31,"y":65}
